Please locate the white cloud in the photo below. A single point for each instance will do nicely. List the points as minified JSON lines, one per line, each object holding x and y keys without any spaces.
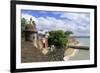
{"x":75,"y":15}
{"x":27,"y":16}
{"x":51,"y":23}
{"x":81,"y":21}
{"x":78,"y":23}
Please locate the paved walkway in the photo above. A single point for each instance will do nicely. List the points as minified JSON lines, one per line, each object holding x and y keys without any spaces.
{"x":29,"y":53}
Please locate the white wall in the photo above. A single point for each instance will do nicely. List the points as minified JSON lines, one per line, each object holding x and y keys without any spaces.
{"x":5,"y":36}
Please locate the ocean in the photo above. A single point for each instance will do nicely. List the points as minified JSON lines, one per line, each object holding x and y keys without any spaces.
{"x":84,"y":41}
{"x":82,"y":54}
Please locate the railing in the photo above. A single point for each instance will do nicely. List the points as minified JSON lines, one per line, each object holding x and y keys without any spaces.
{"x":79,"y":47}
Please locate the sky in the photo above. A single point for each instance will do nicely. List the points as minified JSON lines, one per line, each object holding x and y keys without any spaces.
{"x":78,"y":23}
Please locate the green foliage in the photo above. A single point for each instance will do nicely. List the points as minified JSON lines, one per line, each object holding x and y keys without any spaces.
{"x":68,"y":33}
{"x":57,"y":38}
{"x":34,"y":24}
{"x":23,"y":24}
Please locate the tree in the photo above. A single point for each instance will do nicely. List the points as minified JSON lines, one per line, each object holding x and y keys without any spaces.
{"x":23,"y":24}
{"x":57,"y":38}
{"x":68,"y":33}
{"x":34,"y":24}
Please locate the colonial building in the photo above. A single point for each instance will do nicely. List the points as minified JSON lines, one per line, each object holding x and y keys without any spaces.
{"x":43,"y":42}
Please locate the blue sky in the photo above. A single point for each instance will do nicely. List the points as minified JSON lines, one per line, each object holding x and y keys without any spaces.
{"x":77,"y":22}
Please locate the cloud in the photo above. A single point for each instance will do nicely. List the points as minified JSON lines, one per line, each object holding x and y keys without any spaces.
{"x":28,"y":16}
{"x":79,"y":23}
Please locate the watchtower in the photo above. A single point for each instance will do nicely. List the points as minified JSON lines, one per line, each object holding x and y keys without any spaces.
{"x":31,"y":32}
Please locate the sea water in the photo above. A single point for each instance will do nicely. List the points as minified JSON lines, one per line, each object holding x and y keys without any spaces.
{"x":82,"y":54}
{"x":84,"y":41}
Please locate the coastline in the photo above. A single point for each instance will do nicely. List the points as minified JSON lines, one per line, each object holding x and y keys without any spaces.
{"x":71,"y":52}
